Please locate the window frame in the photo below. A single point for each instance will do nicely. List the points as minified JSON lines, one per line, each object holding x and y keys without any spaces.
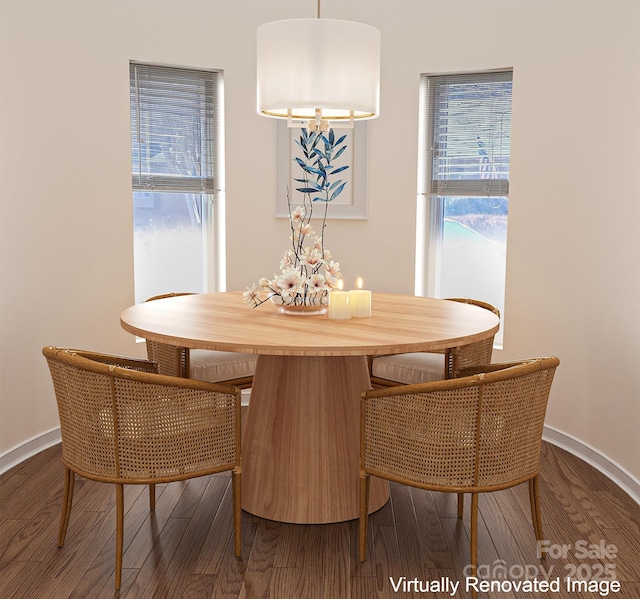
{"x":211,"y":186}
{"x":430,"y":199}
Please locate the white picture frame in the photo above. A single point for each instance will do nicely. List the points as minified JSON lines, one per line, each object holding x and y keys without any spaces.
{"x":352,"y":202}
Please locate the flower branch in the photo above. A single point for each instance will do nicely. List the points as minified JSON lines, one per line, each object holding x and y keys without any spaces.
{"x":307,"y":271}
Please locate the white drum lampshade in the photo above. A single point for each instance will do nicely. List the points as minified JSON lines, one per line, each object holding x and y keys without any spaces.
{"x":310,"y":64}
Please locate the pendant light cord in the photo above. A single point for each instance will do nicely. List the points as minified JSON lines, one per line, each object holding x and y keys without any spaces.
{"x":318,"y":8}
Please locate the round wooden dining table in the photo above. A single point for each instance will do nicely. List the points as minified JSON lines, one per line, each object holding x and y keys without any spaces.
{"x":300,"y":441}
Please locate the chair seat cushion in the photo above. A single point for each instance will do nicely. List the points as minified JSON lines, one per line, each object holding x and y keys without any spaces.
{"x":421,"y":367}
{"x":214,"y":366}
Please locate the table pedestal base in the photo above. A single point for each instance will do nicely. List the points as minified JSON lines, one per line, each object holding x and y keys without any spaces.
{"x":301,"y":440}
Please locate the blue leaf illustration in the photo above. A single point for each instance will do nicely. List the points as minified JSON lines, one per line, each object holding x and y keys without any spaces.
{"x":321,"y":154}
{"x":315,"y":171}
{"x":337,"y":192}
{"x":340,"y":169}
{"x":339,"y":152}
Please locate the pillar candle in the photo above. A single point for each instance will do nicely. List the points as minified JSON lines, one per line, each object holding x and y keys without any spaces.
{"x":360,"y":300}
{"x":339,"y":305}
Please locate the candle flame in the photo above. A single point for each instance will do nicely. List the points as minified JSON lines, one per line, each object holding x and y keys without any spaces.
{"x":359,"y":283}
{"x":340,"y":284}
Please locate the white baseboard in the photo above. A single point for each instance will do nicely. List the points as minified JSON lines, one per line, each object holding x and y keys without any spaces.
{"x":624,"y":479}
{"x":29,"y":448}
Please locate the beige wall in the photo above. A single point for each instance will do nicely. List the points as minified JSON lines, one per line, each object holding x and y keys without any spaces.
{"x":574,"y":251}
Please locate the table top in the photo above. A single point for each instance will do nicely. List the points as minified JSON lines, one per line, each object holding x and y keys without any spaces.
{"x":222,"y":321}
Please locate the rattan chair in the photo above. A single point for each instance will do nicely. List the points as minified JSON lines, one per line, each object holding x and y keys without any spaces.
{"x":473,"y":434}
{"x":123,"y":424}
{"x":423,"y":367}
{"x":205,"y":365}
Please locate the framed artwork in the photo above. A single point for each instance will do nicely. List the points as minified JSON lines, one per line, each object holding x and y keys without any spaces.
{"x":352,"y":201}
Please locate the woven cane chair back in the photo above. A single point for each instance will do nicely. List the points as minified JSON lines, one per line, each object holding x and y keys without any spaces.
{"x":122,"y":423}
{"x":473,"y":434}
{"x":466,"y":434}
{"x":472,"y":354}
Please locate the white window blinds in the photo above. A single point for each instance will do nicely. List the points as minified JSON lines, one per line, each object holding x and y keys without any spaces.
{"x":175,"y":117}
{"x":468,"y":125}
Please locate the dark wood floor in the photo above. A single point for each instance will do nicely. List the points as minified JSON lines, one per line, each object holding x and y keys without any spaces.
{"x":184,"y":548}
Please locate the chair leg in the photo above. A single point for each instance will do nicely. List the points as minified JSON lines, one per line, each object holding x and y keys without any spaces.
{"x":363,"y":517}
{"x":236,"y":480}
{"x":67,"y":500}
{"x":152,"y":497}
{"x":119,"y":532}
{"x":460,"y":505}
{"x":536,"y":512}
{"x":474,"y":539}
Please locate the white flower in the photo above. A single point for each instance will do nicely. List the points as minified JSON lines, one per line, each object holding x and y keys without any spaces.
{"x":288,"y":260}
{"x":312,"y":257}
{"x":316,"y":283}
{"x":251,"y":295}
{"x":327,"y":255}
{"x":264,"y":283}
{"x":333,"y":268}
{"x":306,"y":229}
{"x":297,"y":215}
{"x":290,"y":282}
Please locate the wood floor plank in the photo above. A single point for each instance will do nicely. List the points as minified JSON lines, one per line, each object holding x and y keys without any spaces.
{"x":623,"y":543}
{"x":214,"y":549}
{"x":200,"y":586}
{"x":387,"y":560}
{"x":408,"y":536}
{"x":287,"y":553}
{"x":435,"y":550}
{"x":12,"y":578}
{"x":336,"y":560}
{"x":231,"y":571}
{"x":286,"y":582}
{"x":184,"y":548}
{"x":621,"y":513}
{"x":58,"y":576}
{"x":310,"y":569}
{"x":144,"y":535}
{"x":383,"y":516}
{"x":520,"y":540}
{"x":32,"y":491}
{"x":363,"y":587}
{"x":186,"y":554}
{"x":14,"y":536}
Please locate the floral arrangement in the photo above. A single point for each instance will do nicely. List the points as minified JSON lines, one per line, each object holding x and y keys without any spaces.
{"x":307,"y":270}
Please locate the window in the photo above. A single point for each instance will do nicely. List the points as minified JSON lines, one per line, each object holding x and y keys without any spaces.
{"x":177,"y":167}
{"x":463,"y":185}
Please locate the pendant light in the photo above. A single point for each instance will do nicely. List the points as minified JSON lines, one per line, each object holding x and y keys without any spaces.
{"x":318,"y":70}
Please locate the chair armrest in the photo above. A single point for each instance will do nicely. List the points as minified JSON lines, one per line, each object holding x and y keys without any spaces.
{"x":120,"y":361}
{"x":484,"y":368}
{"x":107,"y":359}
